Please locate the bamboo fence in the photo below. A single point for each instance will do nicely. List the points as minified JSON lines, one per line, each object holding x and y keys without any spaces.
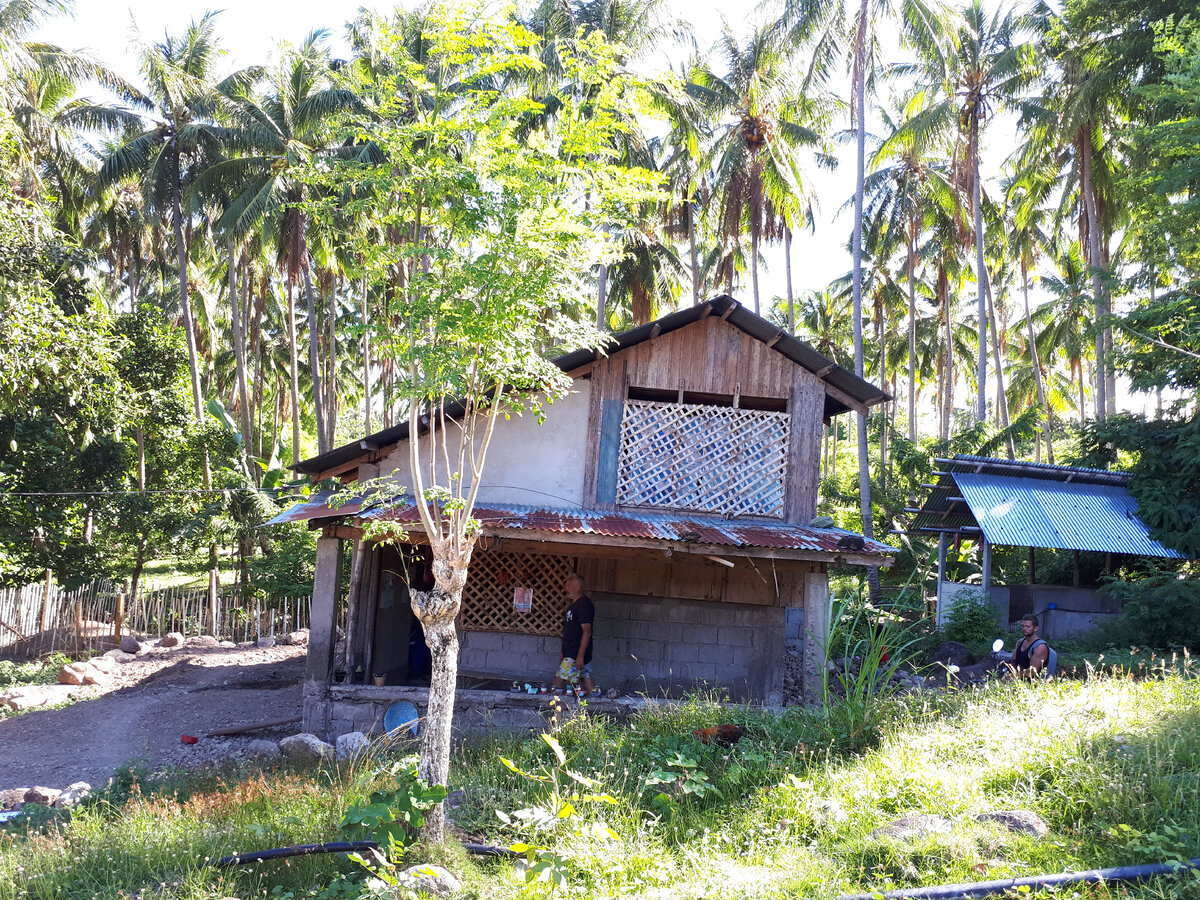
{"x":44,"y":618}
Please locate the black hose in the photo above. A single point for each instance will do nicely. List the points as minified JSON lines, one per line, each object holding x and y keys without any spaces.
{"x":342,"y":847}
{"x":303,"y":850}
{"x":978,"y":889}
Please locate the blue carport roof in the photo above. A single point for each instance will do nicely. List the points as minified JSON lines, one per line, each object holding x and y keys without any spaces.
{"x":1021,"y":504}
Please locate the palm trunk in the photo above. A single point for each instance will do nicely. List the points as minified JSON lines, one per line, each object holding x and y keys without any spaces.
{"x":980,"y":272}
{"x":860,"y":125}
{"x":787,"y":268}
{"x":1033,"y":353}
{"x":331,"y":406}
{"x":693,"y":253}
{"x":912,"y":337}
{"x":602,"y":300}
{"x":1001,"y":397}
{"x":314,"y":357}
{"x":185,"y":304}
{"x":754,"y":268}
{"x":366,"y":351}
{"x":943,"y":289}
{"x":239,"y":347}
{"x":1089,"y":198}
{"x":295,"y":372}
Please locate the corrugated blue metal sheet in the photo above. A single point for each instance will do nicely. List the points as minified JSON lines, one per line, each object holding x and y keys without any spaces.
{"x":1035,"y":512}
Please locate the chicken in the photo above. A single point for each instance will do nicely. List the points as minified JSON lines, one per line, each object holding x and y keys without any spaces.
{"x":722,"y":735}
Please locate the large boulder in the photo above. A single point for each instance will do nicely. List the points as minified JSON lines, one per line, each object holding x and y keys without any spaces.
{"x":44,"y":796}
{"x":304,"y":748}
{"x":74,"y":794}
{"x":266,"y":642}
{"x":105,"y":664}
{"x":262,"y":750}
{"x":428,"y":879}
{"x":129,"y":644}
{"x":298,"y":638}
{"x":908,"y":827}
{"x":75,"y":673}
{"x":1022,"y":821}
{"x":171,"y":639}
{"x":203,"y":640}
{"x":351,"y":745}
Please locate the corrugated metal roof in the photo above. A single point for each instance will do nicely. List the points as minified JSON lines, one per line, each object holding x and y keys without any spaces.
{"x":658,"y":527}
{"x":1037,"y":505}
{"x":317,"y":507}
{"x":665,"y":527}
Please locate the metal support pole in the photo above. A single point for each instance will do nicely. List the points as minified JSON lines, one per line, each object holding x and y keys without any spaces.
{"x":987,"y":565}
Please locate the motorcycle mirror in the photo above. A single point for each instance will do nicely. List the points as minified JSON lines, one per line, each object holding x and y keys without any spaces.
{"x":997,"y":645}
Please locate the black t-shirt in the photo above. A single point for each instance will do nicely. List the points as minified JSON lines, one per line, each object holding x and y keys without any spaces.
{"x":581,"y":612}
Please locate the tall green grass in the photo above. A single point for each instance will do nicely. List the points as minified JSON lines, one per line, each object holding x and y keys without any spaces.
{"x":1111,"y":763}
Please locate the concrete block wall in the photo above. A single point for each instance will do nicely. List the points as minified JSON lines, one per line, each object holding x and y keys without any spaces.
{"x":667,"y":646}
{"x":528,"y":657}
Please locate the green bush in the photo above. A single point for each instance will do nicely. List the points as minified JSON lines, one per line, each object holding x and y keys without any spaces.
{"x":972,"y":620}
{"x":1160,"y":610}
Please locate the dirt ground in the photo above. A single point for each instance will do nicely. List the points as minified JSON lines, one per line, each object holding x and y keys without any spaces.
{"x":149,"y":703}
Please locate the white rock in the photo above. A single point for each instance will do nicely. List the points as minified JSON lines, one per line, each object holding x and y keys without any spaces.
{"x":298,"y":638}
{"x":74,"y":673}
{"x":94,"y":676}
{"x":105,"y":664}
{"x":266,"y":642}
{"x":74,"y":794}
{"x":352,"y":744}
{"x":429,"y":879}
{"x":304,"y":748}
{"x":203,"y":640}
{"x":130,"y":644}
{"x":227,"y":645}
{"x":42,"y":795}
{"x":171,"y":639}
{"x":263,"y":750}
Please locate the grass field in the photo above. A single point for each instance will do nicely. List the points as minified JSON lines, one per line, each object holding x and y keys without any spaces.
{"x":1110,"y":762}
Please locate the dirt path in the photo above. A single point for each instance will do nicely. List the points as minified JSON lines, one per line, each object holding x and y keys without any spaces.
{"x":141,"y":714}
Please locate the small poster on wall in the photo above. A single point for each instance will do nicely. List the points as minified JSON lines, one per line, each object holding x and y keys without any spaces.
{"x":522,"y":598}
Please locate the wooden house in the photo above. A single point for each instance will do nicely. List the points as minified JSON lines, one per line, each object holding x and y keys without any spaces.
{"x":679,"y":478}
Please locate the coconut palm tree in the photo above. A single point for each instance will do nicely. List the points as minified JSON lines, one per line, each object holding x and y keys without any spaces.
{"x":178,"y":140}
{"x":763,"y":118}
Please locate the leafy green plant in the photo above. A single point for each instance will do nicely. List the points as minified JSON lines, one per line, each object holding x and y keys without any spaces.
{"x":972,"y":620}
{"x":1160,"y":610}
{"x":558,"y":811}
{"x":393,"y":813}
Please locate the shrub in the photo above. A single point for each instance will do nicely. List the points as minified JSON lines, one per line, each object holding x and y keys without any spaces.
{"x":1160,"y":610}
{"x":972,"y":620}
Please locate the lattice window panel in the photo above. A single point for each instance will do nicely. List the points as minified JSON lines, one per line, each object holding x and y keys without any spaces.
{"x":488,"y":594}
{"x":707,"y":458}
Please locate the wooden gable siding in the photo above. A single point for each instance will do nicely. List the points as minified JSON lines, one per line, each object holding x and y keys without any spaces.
{"x":711,"y":357}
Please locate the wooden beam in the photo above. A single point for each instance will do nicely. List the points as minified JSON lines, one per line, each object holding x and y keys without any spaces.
{"x":338,"y":471}
{"x":369,"y":445}
{"x":345,"y":532}
{"x":857,"y":405}
{"x":779,"y":336}
{"x":729,"y":312}
{"x":656,"y":330}
{"x":825,"y":370}
{"x":705,"y":311}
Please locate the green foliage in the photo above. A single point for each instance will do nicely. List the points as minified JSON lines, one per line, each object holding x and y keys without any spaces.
{"x":393,"y":812}
{"x":1161,"y":609}
{"x":972,"y":620}
{"x":20,"y":674}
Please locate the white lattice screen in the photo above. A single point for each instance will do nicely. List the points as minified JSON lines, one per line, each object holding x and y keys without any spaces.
{"x":488,"y":594}
{"x":709,"y":458}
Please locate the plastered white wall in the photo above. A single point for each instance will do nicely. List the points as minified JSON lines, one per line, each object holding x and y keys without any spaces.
{"x":527,"y":463}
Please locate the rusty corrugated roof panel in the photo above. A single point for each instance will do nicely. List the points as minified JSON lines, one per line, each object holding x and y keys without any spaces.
{"x":663,"y":527}
{"x":316,"y":507}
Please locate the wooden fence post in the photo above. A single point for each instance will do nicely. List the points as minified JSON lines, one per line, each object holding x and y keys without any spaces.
{"x":119,"y":618}
{"x":45,"y":602}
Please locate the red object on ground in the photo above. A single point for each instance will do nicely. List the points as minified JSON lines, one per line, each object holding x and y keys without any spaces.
{"x":189,"y":738}
{"x":722,"y":735}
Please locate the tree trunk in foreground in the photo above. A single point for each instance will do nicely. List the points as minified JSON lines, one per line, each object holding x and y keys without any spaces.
{"x":436,"y":610}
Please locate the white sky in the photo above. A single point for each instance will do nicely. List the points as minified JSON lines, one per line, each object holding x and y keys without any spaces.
{"x":252,"y":29}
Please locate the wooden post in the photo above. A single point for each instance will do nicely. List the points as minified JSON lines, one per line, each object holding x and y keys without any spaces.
{"x":353,"y":612}
{"x":1076,"y":574}
{"x":45,"y":602}
{"x":941,"y":577}
{"x":1032,"y":570}
{"x":119,"y":618}
{"x":987,"y":564}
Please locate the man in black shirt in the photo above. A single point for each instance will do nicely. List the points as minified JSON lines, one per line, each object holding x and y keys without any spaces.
{"x":576,"y":658}
{"x":1031,"y":653}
